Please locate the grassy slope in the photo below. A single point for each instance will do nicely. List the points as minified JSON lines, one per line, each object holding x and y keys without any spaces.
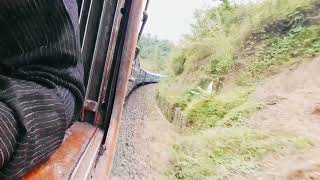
{"x":233,"y":40}
{"x":226,"y":152}
{"x":212,"y":50}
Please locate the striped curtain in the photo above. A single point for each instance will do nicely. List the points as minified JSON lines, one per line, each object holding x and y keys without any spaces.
{"x":41,"y":80}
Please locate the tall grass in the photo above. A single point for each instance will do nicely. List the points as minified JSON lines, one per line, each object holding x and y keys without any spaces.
{"x":227,"y":153}
{"x":233,"y":39}
{"x":218,"y":35}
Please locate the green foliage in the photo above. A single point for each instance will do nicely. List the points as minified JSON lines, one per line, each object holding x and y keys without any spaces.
{"x":223,"y":153}
{"x":225,"y":109}
{"x":178,"y":63}
{"x":302,"y":41}
{"x":183,"y":101}
{"x":181,"y":104}
{"x":155,"y":53}
{"x":238,"y":115}
{"x":242,"y":41}
{"x":221,"y":34}
{"x":226,"y":4}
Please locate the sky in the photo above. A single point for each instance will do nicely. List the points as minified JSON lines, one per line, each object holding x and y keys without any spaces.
{"x":170,"y":19}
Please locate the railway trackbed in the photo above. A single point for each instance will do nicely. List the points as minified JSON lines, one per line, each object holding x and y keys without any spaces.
{"x":144,"y":140}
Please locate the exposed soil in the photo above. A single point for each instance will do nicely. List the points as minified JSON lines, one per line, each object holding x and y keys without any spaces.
{"x":292,"y":104}
{"x":292,"y":100}
{"x":145,"y":139}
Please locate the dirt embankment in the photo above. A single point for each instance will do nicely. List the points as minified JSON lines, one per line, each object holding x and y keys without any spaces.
{"x":292,"y":101}
{"x":145,"y":139}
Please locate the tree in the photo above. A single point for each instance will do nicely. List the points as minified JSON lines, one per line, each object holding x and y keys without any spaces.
{"x":154,"y":52}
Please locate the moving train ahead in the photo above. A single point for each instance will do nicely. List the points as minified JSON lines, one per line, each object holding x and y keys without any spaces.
{"x":109,"y":31}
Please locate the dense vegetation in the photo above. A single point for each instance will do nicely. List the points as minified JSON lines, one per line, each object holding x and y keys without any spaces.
{"x":155,"y":53}
{"x":238,"y":45}
{"x":244,"y":41}
{"x":245,"y":38}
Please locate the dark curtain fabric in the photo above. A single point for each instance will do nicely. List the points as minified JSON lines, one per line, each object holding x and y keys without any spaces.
{"x":41,"y":80}
{"x":79,"y":5}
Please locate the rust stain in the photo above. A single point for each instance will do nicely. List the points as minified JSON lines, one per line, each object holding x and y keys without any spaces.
{"x":61,"y":164}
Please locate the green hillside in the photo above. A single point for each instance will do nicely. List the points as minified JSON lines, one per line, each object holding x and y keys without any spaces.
{"x":241,"y":42}
{"x":233,"y":47}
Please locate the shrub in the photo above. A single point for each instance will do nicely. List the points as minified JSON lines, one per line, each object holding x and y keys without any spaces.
{"x":209,"y":112}
{"x":178,"y":63}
